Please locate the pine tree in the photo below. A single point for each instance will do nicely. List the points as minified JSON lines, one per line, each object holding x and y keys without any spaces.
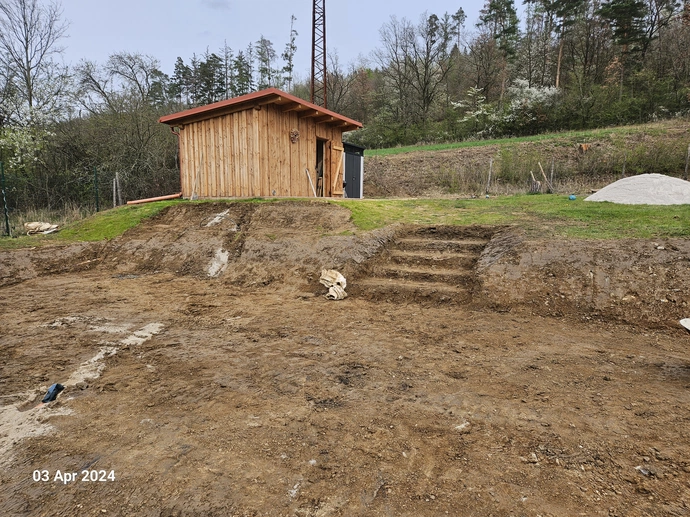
{"x":459,"y":19}
{"x":160,"y":88}
{"x":265,"y":56}
{"x":193,"y":85}
{"x":179,"y":83}
{"x":244,"y":82}
{"x":627,"y":20}
{"x":500,"y":17}
{"x":211,"y":79}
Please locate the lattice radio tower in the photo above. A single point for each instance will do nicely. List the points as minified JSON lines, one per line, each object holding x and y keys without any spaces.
{"x":318,"y":54}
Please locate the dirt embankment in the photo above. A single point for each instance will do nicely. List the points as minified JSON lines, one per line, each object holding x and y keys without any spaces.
{"x":288,"y":244}
{"x":16,"y":266}
{"x":243,"y":244}
{"x":638,"y":281}
{"x":238,"y":243}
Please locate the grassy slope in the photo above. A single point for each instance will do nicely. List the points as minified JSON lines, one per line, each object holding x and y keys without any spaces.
{"x":563,"y":138}
{"x":544,"y":216}
{"x":103,"y":225}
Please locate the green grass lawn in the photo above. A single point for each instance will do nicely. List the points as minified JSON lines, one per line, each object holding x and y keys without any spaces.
{"x":103,"y":225}
{"x":541,"y":216}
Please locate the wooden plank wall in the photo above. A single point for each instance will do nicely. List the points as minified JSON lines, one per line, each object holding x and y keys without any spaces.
{"x":249,"y":153}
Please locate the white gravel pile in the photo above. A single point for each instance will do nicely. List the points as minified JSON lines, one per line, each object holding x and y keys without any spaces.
{"x":645,"y":189}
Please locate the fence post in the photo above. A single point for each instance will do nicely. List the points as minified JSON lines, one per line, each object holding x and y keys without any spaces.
{"x":491,"y":169}
{"x":4,"y":200}
{"x":95,"y":187}
{"x":119,"y":190}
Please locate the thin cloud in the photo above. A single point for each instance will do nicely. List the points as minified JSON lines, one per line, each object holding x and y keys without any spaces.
{"x":217,"y":5}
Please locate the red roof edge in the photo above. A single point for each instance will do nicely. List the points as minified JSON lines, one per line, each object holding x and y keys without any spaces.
{"x":176,"y":118}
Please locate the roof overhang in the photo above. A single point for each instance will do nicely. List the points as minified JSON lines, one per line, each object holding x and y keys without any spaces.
{"x":283,"y":101}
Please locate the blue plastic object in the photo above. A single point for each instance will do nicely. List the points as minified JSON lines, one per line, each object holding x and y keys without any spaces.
{"x":572,"y":197}
{"x":53,"y":392}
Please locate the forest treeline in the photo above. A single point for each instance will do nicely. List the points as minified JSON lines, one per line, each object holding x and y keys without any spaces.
{"x":565,"y":64}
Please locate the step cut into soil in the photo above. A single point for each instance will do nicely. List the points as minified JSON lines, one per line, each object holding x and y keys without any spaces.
{"x":426,"y":264}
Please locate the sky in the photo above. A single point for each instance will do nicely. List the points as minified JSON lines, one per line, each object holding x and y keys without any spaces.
{"x":166,"y":29}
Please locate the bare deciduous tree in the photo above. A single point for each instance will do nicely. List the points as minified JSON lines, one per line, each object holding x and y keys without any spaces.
{"x":29,"y":39}
{"x":394,"y":60}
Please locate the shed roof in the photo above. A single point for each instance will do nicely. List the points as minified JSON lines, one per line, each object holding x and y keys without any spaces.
{"x":282,"y":100}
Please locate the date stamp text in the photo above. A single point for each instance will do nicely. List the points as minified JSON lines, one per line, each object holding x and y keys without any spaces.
{"x":84,"y":476}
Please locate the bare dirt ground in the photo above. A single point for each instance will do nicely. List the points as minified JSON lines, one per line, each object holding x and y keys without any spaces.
{"x":207,"y":375}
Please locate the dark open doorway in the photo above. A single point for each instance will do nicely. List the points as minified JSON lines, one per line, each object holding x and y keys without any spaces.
{"x":320,"y":166}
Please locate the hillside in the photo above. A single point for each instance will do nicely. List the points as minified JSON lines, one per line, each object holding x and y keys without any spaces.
{"x":463,"y":168}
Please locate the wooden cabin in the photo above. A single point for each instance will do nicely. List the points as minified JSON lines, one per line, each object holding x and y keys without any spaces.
{"x":267,"y":143}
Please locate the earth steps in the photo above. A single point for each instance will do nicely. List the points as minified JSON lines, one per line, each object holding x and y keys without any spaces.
{"x":433,"y":264}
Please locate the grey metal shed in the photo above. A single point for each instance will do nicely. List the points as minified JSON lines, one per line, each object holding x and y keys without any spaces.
{"x":354,"y":170}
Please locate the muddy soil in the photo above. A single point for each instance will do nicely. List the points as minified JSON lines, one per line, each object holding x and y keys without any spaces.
{"x":206,"y":375}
